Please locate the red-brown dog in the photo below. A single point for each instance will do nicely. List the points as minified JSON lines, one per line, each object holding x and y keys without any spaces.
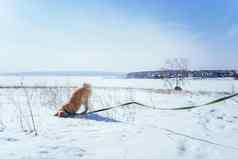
{"x":78,"y":98}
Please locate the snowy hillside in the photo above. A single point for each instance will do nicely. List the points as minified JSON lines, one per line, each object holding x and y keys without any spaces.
{"x":131,"y":132}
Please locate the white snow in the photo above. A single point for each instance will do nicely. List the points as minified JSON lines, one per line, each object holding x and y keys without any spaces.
{"x":124,"y":133}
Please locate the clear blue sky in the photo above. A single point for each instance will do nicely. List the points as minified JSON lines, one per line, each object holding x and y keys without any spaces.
{"x":117,"y":35}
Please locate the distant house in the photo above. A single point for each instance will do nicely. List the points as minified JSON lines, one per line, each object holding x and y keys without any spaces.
{"x":236,"y":75}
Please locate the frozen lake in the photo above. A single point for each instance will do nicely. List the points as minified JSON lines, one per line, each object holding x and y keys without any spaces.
{"x":213,"y":85}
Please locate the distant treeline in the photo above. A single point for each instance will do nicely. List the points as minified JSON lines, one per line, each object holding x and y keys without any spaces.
{"x":184,"y":74}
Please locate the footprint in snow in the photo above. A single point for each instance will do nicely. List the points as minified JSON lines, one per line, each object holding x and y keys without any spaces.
{"x":44,"y":152}
{"x":10,"y":139}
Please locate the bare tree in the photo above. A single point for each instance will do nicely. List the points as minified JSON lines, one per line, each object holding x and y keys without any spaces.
{"x":175,"y":72}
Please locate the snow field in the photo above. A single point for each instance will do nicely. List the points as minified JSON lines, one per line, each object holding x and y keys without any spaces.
{"x":123,"y":133}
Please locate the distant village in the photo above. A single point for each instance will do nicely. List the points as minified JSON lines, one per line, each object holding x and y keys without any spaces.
{"x":184,"y":74}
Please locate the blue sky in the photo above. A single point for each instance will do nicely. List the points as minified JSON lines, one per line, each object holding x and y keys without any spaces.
{"x":117,"y":35}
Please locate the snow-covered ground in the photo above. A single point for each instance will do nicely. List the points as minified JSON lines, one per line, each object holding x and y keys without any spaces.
{"x":125,"y":133}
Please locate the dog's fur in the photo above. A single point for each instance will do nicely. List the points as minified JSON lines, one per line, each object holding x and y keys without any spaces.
{"x":78,"y":98}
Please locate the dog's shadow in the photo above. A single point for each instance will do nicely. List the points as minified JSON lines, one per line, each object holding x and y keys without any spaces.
{"x":94,"y":117}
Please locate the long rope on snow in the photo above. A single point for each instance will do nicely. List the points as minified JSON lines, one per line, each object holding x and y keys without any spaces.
{"x":199,"y":139}
{"x":175,"y":108}
{"x":178,"y":108}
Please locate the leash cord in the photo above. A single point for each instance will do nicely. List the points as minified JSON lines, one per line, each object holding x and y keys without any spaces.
{"x":159,"y":108}
{"x":198,"y":139}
